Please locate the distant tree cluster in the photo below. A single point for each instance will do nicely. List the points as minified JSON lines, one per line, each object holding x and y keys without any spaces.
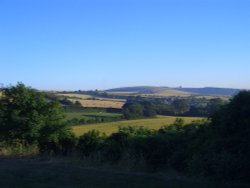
{"x":94,"y":120}
{"x":64,"y":101}
{"x":138,"y":108}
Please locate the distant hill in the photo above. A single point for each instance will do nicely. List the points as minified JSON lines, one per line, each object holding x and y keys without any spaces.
{"x":211,"y":91}
{"x":167,"y":91}
{"x":139,"y":89}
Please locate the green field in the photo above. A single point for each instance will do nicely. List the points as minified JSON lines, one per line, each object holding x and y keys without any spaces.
{"x":90,"y":115}
{"x":109,"y":128}
{"x":74,"y":95}
{"x":85,"y":117}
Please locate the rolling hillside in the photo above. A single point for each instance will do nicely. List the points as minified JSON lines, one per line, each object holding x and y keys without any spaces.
{"x":167,"y":91}
{"x":149,"y":91}
{"x":138,"y":89}
{"x":211,"y":91}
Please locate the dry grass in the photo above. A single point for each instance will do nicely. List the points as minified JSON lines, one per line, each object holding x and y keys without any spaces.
{"x":173,"y":92}
{"x":164,"y":93}
{"x":122,"y":93}
{"x":100,"y":103}
{"x":73,"y":95}
{"x":109,"y":128}
{"x":84,"y":96}
{"x":94,"y":102}
{"x":225,"y":98}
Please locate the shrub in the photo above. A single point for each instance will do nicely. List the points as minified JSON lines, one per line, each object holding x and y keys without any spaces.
{"x":90,"y":142}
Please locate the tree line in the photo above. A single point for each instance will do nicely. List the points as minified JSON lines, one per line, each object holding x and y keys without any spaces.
{"x":139,"y":107}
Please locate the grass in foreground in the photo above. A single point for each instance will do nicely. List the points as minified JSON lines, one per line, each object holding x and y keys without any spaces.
{"x":109,"y":128}
{"x":29,"y":173}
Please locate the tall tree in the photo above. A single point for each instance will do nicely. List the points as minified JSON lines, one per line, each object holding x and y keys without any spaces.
{"x":25,"y":114}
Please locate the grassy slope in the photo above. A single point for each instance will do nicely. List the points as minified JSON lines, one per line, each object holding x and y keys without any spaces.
{"x":29,"y":173}
{"x":84,"y":96}
{"x":163,"y":93}
{"x":87,"y":101}
{"x":73,"y":95}
{"x":207,"y":91}
{"x":108,"y":128}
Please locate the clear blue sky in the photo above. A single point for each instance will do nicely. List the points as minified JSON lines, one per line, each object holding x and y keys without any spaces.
{"x":98,"y":44}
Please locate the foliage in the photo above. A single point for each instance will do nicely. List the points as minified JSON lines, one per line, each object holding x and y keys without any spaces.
{"x":25,"y":114}
{"x":138,"y":107}
{"x":90,"y":142}
{"x":180,"y":106}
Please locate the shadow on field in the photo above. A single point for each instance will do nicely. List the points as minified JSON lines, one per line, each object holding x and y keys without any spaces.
{"x":36,"y":172}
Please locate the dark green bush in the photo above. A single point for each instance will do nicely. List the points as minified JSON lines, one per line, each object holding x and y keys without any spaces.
{"x":90,"y":142}
{"x":116,"y":146}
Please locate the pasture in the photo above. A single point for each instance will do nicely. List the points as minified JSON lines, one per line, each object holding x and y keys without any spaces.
{"x":169,"y":93}
{"x":109,"y":128}
{"x":90,"y":115}
{"x":74,"y":95}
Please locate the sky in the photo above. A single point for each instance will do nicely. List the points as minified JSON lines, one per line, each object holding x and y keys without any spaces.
{"x":102,"y":44}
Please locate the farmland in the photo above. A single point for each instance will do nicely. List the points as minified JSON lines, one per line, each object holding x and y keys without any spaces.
{"x":166,"y":92}
{"x":89,"y":115}
{"x":109,"y":128}
{"x":177,"y":92}
{"x":74,"y":95}
{"x":99,"y":103}
{"x":178,"y":148}
{"x":115,"y":98}
{"x":81,"y":117}
{"x":90,"y":101}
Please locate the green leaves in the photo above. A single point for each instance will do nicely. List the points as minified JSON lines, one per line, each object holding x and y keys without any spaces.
{"x":26,"y":114}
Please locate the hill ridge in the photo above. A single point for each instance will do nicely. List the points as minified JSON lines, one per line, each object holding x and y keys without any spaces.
{"x":192,"y":91}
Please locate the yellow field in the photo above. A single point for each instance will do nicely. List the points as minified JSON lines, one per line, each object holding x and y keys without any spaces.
{"x":109,"y":128}
{"x":99,"y":103}
{"x":94,"y":102}
{"x":171,"y":92}
{"x":122,"y":93}
{"x":164,"y":93}
{"x":84,"y":96}
{"x":73,"y":95}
